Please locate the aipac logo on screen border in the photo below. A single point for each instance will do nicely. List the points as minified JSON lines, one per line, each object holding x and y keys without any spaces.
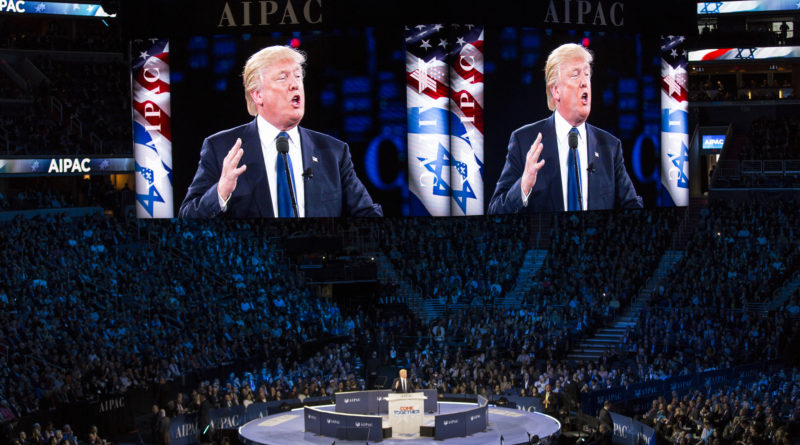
{"x":270,"y":13}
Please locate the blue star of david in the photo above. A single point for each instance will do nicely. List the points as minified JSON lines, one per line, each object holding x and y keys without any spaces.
{"x":706,"y":10}
{"x":740,"y":53}
{"x":437,"y":167}
{"x":148,"y":201}
{"x":461,"y":196}
{"x":679,"y":162}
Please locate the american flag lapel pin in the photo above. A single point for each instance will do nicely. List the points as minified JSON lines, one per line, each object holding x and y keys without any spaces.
{"x":314,"y":159}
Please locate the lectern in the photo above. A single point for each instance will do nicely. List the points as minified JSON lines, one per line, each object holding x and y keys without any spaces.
{"x":406,"y":412}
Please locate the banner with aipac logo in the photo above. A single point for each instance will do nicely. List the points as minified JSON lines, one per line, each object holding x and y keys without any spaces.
{"x":466,"y":128}
{"x":152,"y":137}
{"x":444,"y":96}
{"x":674,"y":123}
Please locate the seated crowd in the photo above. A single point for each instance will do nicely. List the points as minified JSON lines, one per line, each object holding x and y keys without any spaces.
{"x":764,"y":412}
{"x":709,"y":88}
{"x":772,"y":139}
{"x":229,"y":298}
{"x":72,"y":110}
{"x":458,"y":260}
{"x":738,"y":254}
{"x":99,"y":332}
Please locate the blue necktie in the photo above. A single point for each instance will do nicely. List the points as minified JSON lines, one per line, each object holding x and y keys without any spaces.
{"x":573,"y":182}
{"x":285,"y":209}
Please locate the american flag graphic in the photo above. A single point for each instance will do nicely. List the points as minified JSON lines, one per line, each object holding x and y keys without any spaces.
{"x":444,"y":91}
{"x":674,"y":123}
{"x":152,"y":138}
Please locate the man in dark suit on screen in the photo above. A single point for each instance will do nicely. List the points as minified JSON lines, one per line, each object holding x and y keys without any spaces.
{"x":241,"y":173}
{"x":402,"y":383}
{"x":563,"y":163}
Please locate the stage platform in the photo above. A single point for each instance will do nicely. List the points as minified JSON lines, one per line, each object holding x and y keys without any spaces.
{"x":514,"y":425}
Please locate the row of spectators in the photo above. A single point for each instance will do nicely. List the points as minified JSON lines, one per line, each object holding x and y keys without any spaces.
{"x":722,"y":89}
{"x":84,"y":90}
{"x":459,"y":260}
{"x":772,"y":139}
{"x":59,"y":193}
{"x":598,"y":261}
{"x":757,"y":34}
{"x":764,"y":412}
{"x":59,"y":34}
{"x":76,"y":108}
{"x":50,"y":435}
{"x":33,"y":199}
{"x":738,"y":254}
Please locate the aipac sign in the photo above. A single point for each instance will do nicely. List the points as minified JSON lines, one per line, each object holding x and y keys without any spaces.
{"x":713,"y":141}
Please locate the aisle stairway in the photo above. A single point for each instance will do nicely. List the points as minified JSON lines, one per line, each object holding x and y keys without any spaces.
{"x":527,"y":273}
{"x":610,"y":336}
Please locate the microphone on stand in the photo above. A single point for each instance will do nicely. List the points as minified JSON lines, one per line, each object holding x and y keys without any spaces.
{"x":282,"y":145}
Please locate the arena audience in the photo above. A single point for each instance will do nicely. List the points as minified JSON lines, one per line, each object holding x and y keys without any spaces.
{"x":766,"y":411}
{"x":772,"y":139}
{"x":458,"y":261}
{"x":76,"y":327}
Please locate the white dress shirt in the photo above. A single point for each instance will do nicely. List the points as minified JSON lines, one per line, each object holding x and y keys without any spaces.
{"x":268,"y":133}
{"x":562,"y":136}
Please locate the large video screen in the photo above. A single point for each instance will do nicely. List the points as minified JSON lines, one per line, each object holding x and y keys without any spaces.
{"x":421,"y":120}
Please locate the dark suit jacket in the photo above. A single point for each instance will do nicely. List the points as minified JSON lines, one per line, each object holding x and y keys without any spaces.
{"x":397,"y":386}
{"x":163,"y":431}
{"x":605,"y":418}
{"x":334,"y":189}
{"x":609,"y":184}
{"x":555,"y":401}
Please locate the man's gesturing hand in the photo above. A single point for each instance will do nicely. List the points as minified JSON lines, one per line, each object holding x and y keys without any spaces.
{"x":230,"y":171}
{"x":532,"y":165}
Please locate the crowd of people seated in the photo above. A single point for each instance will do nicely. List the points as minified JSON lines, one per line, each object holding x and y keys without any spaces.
{"x":757,"y":33}
{"x":75,"y":326}
{"x":600,"y":260}
{"x":60,"y":34}
{"x":764,"y":412}
{"x":107,"y":305}
{"x":71,"y":107}
{"x":710,"y":88}
{"x":772,"y":139}
{"x":738,"y":254}
{"x":458,"y":261}
{"x":75,"y":108}
{"x":41,"y":193}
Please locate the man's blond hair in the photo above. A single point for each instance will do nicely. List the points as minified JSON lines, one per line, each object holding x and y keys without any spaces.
{"x":253,"y":69}
{"x":559,"y":56}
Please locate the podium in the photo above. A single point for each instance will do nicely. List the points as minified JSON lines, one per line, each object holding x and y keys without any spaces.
{"x":406,"y":411}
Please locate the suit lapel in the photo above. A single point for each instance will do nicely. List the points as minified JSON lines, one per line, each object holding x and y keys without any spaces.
{"x":256,"y":175}
{"x":309,"y":154}
{"x":550,"y":154}
{"x":591,"y":145}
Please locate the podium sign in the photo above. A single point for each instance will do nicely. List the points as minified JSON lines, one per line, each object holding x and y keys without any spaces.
{"x":406,"y":412}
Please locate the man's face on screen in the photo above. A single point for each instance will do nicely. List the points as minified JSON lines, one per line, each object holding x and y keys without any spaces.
{"x":573,"y":91}
{"x":280,"y":98}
